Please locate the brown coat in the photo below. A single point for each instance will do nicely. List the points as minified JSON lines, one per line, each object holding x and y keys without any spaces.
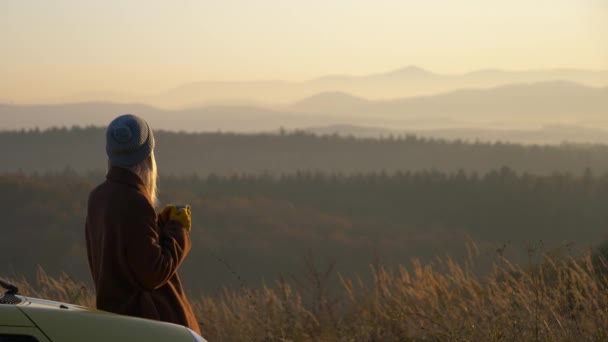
{"x":133,"y":261}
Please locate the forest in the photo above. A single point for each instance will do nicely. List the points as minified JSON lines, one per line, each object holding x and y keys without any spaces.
{"x":253,"y":229}
{"x":287,"y":152}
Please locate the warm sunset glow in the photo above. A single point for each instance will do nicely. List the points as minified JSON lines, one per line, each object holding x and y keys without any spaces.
{"x":65,"y":49}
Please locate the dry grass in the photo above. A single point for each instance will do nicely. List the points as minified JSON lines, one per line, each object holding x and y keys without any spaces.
{"x":558,"y":300}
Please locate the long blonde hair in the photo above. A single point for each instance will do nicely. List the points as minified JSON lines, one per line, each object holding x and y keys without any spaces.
{"x":147,"y":172}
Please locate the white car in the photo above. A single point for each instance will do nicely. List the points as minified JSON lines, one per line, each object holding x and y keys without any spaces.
{"x":24,"y":319}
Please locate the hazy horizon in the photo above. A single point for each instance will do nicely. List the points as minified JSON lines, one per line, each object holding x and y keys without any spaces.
{"x":408,"y":82}
{"x":61,"y":50}
{"x":237,"y":66}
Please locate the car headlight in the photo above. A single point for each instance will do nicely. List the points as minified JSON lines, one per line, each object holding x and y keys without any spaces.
{"x":196,"y":336}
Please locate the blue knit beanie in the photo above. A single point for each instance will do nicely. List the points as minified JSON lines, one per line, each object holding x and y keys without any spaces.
{"x":129,"y":140}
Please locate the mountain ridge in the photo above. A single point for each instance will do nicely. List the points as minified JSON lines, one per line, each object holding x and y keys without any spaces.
{"x":406,"y":81}
{"x":526,"y":105}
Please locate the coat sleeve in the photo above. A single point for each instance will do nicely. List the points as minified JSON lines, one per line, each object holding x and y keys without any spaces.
{"x":152,"y":257}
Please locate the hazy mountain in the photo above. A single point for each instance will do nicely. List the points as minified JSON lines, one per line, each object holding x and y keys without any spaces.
{"x":592,"y":78}
{"x":502,"y":108}
{"x":408,"y":72}
{"x":519,"y":104}
{"x":83,"y":114}
{"x":207,"y":118}
{"x":329,"y":102}
{"x":405,"y":82}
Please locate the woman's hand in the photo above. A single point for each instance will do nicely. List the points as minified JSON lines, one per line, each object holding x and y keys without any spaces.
{"x":182,"y":215}
{"x":165,"y":214}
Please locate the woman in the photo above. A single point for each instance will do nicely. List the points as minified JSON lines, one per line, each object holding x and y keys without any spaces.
{"x":134,"y":254}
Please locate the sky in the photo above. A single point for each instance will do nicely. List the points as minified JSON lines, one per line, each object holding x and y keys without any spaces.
{"x":62,"y":48}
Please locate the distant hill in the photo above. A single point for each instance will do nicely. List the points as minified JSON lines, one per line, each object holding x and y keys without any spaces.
{"x":82,"y":114}
{"x":328,"y":103}
{"x":408,"y":81}
{"x":546,"y":102}
{"x":208,"y":118}
{"x":505,"y":107}
{"x":404,"y":82}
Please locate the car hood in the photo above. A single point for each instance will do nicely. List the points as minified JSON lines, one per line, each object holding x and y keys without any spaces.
{"x":49,"y":304}
{"x":65,"y":322}
{"x":11,"y":316}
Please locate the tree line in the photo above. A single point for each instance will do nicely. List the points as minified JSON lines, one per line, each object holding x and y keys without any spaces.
{"x":180,"y":153}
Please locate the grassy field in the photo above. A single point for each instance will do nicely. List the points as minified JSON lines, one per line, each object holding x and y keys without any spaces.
{"x":552,"y":299}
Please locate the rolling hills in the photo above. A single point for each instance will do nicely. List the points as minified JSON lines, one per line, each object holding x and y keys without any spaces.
{"x":511,"y":106}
